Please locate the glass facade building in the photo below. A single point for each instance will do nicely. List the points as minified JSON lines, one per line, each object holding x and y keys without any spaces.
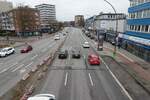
{"x":137,"y":37}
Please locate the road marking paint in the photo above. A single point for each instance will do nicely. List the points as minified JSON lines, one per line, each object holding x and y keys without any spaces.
{"x":91,"y":80}
{"x":13,"y":64}
{"x":115,"y":78}
{"x":4,"y":70}
{"x":22,"y":71}
{"x":34,"y":57}
{"x":66,"y":78}
{"x":29,"y":65}
{"x":18,"y":68}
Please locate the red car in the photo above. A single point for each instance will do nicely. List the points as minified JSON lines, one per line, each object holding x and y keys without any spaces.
{"x":94,"y":59}
{"x":26,"y":49}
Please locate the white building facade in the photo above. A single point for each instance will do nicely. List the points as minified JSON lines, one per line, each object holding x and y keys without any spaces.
{"x":47,"y":14}
{"x":6,"y":21}
{"x":108,"y":21}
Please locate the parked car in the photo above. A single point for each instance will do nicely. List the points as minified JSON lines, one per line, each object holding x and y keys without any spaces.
{"x":42,"y":97}
{"x":76,"y":53}
{"x":86,"y":45}
{"x":7,"y":51}
{"x":63,"y":54}
{"x":64,"y":34}
{"x":112,"y":42}
{"x":93,"y":59}
{"x":57,"y":37}
{"x":91,"y":37}
{"x":87,"y":32}
{"x":26,"y":49}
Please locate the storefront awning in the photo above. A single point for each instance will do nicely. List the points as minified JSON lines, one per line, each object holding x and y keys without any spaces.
{"x":135,"y":39}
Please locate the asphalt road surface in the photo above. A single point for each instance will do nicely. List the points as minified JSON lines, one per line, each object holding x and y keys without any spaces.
{"x":75,"y":79}
{"x":14,"y":67}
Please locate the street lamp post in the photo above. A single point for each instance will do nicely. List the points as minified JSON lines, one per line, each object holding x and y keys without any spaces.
{"x":115,"y":48}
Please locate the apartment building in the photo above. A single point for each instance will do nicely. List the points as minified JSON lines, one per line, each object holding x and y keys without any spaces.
{"x":47,"y":14}
{"x":137,"y":37}
{"x":26,"y":20}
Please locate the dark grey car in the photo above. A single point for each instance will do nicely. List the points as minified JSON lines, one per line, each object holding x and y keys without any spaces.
{"x":63,"y":54}
{"x":76,"y":53}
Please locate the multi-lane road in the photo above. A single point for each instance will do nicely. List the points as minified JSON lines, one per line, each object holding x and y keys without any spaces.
{"x":75,"y":79}
{"x":14,"y":67}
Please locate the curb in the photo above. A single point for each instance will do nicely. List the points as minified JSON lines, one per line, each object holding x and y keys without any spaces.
{"x":132,"y":74}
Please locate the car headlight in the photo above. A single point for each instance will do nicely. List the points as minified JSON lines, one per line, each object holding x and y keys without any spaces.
{"x":2,"y":54}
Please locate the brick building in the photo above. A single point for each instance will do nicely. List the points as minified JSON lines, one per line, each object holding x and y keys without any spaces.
{"x":26,"y":20}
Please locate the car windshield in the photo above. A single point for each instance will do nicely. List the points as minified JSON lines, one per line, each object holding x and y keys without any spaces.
{"x":75,"y":49}
{"x":4,"y":50}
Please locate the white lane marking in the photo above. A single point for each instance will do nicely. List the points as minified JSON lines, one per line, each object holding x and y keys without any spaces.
{"x":22,"y":71}
{"x":29,"y":64}
{"x":115,"y":78}
{"x":34,"y":57}
{"x":66,"y":78}
{"x":91,"y":80}
{"x":13,"y":64}
{"x":4,"y":70}
{"x":18,"y":68}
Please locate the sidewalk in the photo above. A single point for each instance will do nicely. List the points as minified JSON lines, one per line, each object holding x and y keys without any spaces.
{"x":130,"y":57}
{"x":136,"y":67}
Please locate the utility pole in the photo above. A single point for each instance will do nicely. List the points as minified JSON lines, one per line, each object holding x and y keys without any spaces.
{"x":116,"y":34}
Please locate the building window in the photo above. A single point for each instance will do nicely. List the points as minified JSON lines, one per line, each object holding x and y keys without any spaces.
{"x":132,"y":27}
{"x":147,"y":1}
{"x":142,"y":28}
{"x":139,"y":14}
{"x":139,"y":27}
{"x":135,"y":28}
{"x":146,"y":28}
{"x":149,"y":29}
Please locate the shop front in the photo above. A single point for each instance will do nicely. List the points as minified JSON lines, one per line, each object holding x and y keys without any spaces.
{"x":137,"y":46}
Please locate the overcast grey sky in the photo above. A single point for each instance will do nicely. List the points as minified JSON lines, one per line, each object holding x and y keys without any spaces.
{"x":66,"y":9}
